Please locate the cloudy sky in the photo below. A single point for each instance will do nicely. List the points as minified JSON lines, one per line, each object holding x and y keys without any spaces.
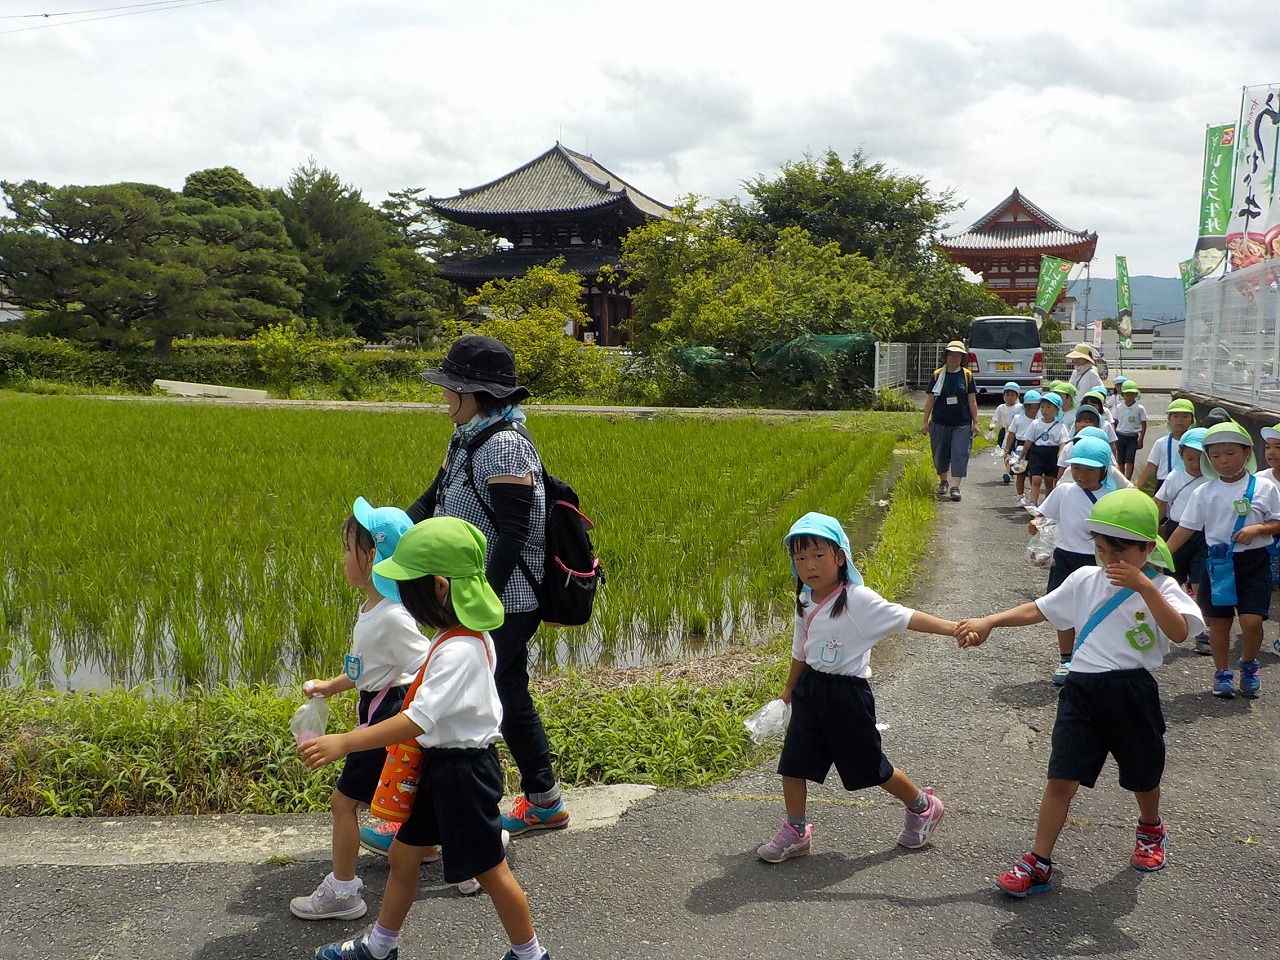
{"x":1095,"y":110}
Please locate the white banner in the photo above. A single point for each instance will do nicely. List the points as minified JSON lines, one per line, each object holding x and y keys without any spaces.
{"x":1255,"y":216}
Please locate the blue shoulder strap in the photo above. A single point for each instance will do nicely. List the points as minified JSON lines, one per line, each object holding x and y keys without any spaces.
{"x":1105,"y":611}
{"x":1241,"y":517}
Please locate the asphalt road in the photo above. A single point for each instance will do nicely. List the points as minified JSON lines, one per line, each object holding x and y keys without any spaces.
{"x":676,"y":877}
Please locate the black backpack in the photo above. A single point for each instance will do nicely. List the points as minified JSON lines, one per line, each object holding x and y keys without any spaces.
{"x":571,"y":572}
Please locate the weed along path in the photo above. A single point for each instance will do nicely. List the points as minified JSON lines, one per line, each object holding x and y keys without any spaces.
{"x":677,"y":877}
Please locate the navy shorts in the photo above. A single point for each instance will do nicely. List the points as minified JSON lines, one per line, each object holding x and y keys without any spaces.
{"x":361,"y":770}
{"x":1253,"y":586}
{"x":1117,"y":713}
{"x":1042,"y":462}
{"x":1188,"y":559}
{"x":1127,"y":447}
{"x":1065,"y":563}
{"x":833,"y":721}
{"x":457,"y":808}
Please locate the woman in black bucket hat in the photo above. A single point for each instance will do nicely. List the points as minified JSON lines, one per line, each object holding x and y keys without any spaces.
{"x":496,"y":484}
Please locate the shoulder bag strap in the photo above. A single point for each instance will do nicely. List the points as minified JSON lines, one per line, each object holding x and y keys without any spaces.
{"x":458,"y":631}
{"x":1240,"y":518}
{"x":1103,"y":612}
{"x":480,"y":440}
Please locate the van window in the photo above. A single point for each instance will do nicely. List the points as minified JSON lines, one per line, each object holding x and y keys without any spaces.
{"x":1016,"y":333}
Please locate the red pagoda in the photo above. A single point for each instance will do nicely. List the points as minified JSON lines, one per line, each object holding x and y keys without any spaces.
{"x":1004,"y":247}
{"x":560,"y":204}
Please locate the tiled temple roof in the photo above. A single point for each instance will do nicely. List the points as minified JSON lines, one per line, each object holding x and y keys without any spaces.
{"x":1015,"y":223}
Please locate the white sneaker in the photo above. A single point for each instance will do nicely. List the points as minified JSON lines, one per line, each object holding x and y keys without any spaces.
{"x":1022,"y":502}
{"x":324,"y":904}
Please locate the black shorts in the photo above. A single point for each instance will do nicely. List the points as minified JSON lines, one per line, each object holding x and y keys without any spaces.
{"x":833,"y":721}
{"x":1000,"y":438}
{"x":1127,"y":448}
{"x":1253,"y":586}
{"x":1042,"y":462}
{"x":1065,"y":563}
{"x":360,"y":772}
{"x":457,"y":808}
{"x":1117,"y":713}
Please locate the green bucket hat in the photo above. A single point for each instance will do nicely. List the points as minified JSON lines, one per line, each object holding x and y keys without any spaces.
{"x":1182,"y":405}
{"x":451,"y":548}
{"x":1230,"y":432}
{"x":1271,"y":433}
{"x":1055,"y":386}
{"x":1130,"y":514}
{"x":1130,"y":387}
{"x":1066,"y":389}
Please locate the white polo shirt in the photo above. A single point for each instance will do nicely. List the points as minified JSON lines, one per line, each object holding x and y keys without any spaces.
{"x":1070,"y":505}
{"x":386,"y":648}
{"x":1212,"y":508}
{"x":1165,"y":455}
{"x":1130,"y":419}
{"x":457,"y":704}
{"x":1176,"y":492}
{"x":1129,"y":637}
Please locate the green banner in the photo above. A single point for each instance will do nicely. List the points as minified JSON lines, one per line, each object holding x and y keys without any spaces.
{"x":1215,"y":198}
{"x":1187,"y":272}
{"x":1053,"y":278}
{"x":1124,"y":304}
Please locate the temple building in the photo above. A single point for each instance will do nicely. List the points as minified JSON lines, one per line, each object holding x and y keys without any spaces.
{"x":560,"y":204}
{"x":1004,"y":247}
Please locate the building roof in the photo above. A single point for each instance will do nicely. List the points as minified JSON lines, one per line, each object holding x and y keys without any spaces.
{"x":560,"y":181}
{"x":507,"y":264}
{"x":1015,"y":223}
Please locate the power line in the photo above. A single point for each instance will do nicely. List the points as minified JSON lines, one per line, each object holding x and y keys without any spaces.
{"x":152,"y":8}
{"x":79,"y":13}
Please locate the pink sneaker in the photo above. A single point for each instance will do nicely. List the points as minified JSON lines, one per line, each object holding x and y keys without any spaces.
{"x":787,"y":844}
{"x":919,"y":827}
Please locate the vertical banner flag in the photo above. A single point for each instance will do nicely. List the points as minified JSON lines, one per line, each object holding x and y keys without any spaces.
{"x":1253,"y":214}
{"x":1124,"y":305}
{"x":1215,"y":198}
{"x":1053,"y":277}
{"x":1187,"y":273}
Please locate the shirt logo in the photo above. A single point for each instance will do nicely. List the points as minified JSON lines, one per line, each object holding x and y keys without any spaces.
{"x":1241,"y":506}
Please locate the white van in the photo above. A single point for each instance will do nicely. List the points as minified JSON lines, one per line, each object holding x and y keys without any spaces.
{"x":1003,"y":349}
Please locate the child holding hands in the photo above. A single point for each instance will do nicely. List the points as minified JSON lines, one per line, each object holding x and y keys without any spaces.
{"x":1124,"y":613}
{"x":833,"y":712}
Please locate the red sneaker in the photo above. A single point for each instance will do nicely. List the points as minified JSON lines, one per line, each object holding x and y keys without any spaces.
{"x":1026,"y":877}
{"x":1149,"y":848}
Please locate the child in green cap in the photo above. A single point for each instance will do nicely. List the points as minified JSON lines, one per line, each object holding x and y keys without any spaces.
{"x":454,"y":714}
{"x":1131,"y":427}
{"x":1125,"y":613}
{"x":1164,"y":457}
{"x":1240,"y":516}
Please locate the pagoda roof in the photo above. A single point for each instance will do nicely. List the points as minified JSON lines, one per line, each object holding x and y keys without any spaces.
{"x":1015,"y":223}
{"x":507,"y":264}
{"x":560,"y":181}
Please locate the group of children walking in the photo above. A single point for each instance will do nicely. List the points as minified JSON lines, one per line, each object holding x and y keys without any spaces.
{"x":1130,"y":575}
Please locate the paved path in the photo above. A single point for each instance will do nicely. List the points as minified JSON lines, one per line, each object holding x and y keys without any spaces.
{"x":676,"y":877}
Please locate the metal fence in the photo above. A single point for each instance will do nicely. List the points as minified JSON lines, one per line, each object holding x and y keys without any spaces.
{"x":1232,"y":349}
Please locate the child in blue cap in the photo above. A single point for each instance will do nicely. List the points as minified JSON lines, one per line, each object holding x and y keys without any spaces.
{"x":833,"y":713}
{"x":1004,"y":416}
{"x":386,"y":649}
{"x":1014,"y":459}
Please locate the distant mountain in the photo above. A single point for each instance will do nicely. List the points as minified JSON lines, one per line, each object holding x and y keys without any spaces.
{"x":1154,"y":298}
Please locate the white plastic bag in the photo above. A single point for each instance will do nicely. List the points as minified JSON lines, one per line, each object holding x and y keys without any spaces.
{"x":769,"y":721}
{"x":1041,"y":545}
{"x":310,"y":720}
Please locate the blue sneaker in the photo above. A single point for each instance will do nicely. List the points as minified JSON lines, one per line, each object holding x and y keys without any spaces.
{"x":378,"y":839}
{"x":1224,"y":684}
{"x":1275,"y":645}
{"x":1008,"y":479}
{"x":1250,"y":685}
{"x":526,"y":816}
{"x":352,"y":950}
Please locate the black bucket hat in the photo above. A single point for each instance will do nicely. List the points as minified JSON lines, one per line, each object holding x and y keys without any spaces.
{"x":479,"y":365}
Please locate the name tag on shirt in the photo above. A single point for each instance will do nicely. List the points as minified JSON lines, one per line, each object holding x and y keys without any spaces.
{"x":953,"y":399}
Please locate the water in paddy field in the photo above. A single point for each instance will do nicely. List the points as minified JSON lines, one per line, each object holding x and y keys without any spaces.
{"x":47,"y":648}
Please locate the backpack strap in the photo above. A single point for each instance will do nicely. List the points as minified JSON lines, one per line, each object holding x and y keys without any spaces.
{"x":1105,"y":611}
{"x":471,"y":447}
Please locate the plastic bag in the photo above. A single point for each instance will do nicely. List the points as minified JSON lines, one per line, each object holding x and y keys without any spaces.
{"x":769,"y":721}
{"x":1042,"y":544}
{"x":310,"y":720}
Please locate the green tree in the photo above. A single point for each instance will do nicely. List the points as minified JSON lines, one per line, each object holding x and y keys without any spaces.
{"x":224,"y":187}
{"x":531,"y":314}
{"x":436,"y":239}
{"x":132,"y":263}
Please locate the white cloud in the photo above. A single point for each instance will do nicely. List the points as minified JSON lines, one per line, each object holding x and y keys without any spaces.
{"x":1095,"y":111}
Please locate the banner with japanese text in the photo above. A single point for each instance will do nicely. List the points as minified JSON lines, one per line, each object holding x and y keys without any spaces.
{"x":1053,"y":277}
{"x":1124,"y":304}
{"x":1187,"y":273}
{"x":1215,"y":198}
{"x":1253,"y":233}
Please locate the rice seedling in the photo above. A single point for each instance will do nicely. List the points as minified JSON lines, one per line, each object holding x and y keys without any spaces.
{"x":175,"y":544}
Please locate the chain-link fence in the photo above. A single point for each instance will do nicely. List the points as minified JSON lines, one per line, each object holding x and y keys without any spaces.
{"x":1232,"y":350}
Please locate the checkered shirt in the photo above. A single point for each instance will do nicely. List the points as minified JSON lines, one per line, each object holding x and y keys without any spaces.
{"x":505,"y":454}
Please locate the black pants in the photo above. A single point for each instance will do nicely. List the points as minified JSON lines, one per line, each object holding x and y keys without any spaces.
{"x":521,"y":725}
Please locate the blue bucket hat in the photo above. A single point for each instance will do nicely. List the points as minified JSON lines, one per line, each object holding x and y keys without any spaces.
{"x":1194,"y":438}
{"x":821,"y":525}
{"x":1052,"y":398}
{"x":1091,"y":452}
{"x":386,"y":525}
{"x":1032,"y":396}
{"x":1011,"y":385}
{"x":1096,"y":432}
